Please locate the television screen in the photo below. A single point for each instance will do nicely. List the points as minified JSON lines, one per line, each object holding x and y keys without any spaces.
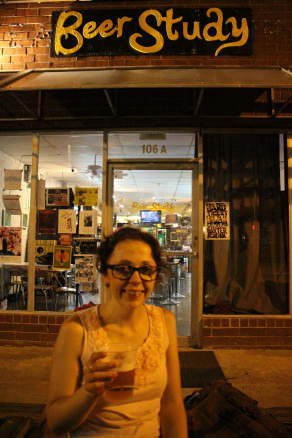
{"x":150,"y":216}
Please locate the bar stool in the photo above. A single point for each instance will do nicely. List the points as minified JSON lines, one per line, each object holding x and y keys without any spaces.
{"x":43,"y":288}
{"x":176,"y":267}
{"x":64,"y":292}
{"x":171,"y":284}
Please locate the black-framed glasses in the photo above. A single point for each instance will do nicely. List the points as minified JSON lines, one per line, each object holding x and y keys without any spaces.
{"x":124,"y":272}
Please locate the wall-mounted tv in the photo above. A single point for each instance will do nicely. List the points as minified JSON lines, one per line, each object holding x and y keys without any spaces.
{"x":150,"y":216}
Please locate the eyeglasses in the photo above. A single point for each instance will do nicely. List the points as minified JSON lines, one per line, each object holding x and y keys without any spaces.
{"x":124,"y":272}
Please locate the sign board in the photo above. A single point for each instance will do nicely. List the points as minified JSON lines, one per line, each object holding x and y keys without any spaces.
{"x":217,"y":220}
{"x":174,"y":31}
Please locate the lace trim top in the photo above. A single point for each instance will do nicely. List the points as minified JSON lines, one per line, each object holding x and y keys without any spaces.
{"x":150,"y":353}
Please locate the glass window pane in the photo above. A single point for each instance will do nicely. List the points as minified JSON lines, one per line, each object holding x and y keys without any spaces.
{"x":67,"y":161}
{"x":69,"y":220}
{"x":247,"y":273}
{"x":15,"y":163}
{"x":159,"y":202}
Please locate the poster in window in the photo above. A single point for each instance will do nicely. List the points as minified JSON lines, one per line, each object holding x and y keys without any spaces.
{"x":87,"y":196}
{"x":85,"y":268}
{"x":87,"y":222}
{"x":62,"y":257}
{"x":57,"y":197}
{"x":66,"y":221}
{"x":44,"y":251}
{"x":10,"y":244}
{"x":85,"y":246}
{"x":217,"y":220}
{"x":47,"y":221}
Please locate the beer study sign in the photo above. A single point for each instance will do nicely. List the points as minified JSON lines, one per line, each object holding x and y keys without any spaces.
{"x":212,"y":32}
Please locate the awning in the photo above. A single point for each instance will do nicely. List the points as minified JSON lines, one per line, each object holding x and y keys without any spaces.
{"x":199,"y":77}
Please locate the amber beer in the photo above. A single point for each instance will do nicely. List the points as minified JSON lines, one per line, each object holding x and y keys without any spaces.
{"x":123,"y":382}
{"x":122,"y":386}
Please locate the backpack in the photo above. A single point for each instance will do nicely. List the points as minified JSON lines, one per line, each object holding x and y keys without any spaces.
{"x":220,"y":410}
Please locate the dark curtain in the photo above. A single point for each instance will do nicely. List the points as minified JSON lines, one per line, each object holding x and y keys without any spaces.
{"x":249,"y":272}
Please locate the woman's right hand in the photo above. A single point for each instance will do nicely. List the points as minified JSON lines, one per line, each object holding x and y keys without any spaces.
{"x":98,"y":373}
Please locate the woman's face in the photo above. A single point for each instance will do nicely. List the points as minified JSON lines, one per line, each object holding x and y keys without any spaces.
{"x":133,"y":291}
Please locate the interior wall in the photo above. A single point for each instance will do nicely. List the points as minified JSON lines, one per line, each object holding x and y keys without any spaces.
{"x":8,"y":162}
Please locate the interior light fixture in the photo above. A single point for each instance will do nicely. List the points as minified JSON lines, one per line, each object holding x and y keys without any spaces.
{"x":152,"y":136}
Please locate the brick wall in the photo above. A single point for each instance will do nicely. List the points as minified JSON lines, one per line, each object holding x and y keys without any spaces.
{"x":247,"y":331}
{"x":29,"y":328}
{"x":41,"y":328}
{"x":25,"y":36}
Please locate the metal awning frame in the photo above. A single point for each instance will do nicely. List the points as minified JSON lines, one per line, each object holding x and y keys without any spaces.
{"x":135,"y":77}
{"x":271,"y":80}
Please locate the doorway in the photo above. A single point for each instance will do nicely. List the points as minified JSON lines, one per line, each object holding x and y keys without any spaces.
{"x":162,"y":198}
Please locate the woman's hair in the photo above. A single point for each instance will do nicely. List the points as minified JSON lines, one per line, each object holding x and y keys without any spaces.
{"x":109,"y":243}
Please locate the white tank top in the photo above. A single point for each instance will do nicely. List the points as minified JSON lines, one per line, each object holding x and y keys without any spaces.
{"x":138,"y":415}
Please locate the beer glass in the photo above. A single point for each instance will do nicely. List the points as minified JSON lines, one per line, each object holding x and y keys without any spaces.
{"x":124,"y":355}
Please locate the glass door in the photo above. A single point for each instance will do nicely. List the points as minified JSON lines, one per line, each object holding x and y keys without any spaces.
{"x":161,"y":198}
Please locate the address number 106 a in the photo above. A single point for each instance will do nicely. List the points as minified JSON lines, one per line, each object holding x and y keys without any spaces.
{"x":154,"y":149}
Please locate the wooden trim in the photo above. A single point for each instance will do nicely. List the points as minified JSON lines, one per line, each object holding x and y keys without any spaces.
{"x":289,"y":158}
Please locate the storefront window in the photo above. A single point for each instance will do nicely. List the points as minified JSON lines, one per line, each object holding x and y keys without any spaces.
{"x":68,"y":220}
{"x":246,"y":245}
{"x":15,"y":167}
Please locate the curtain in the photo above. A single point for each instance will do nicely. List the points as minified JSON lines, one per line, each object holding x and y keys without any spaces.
{"x":249,"y":272}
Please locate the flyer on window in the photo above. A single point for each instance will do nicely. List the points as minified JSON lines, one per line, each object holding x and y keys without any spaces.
{"x":85,"y":245}
{"x":10,"y":244}
{"x":87,"y":196}
{"x":85,"y":268}
{"x":62,"y":257}
{"x":217,"y":220}
{"x":87,"y":222}
{"x":57,"y":197}
{"x":44,"y":251}
{"x":47,"y":221}
{"x":66,"y":221}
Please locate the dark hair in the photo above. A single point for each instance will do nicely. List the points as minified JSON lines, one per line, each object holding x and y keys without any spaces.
{"x":109,"y":243}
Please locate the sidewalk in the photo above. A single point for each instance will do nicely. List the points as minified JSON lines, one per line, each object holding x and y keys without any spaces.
{"x":265,"y":375}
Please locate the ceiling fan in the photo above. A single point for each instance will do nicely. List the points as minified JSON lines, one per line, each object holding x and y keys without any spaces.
{"x":94,"y":169}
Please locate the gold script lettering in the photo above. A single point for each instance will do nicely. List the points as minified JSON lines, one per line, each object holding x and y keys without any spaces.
{"x":169,"y":22}
{"x":62,"y":30}
{"x":88,"y":30}
{"x":218,"y":36}
{"x":121,"y":22}
{"x":106,"y":29}
{"x":242,"y":32}
{"x":148,"y":29}
{"x":196,"y":31}
{"x":70,"y":27}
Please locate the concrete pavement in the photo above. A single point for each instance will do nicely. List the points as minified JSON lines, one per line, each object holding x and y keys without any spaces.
{"x":265,"y":375}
